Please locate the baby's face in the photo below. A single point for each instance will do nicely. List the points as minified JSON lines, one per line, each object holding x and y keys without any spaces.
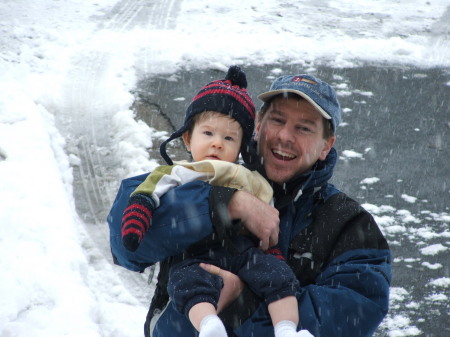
{"x":217,"y":137}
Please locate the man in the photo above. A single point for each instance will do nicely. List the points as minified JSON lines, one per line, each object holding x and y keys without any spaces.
{"x":333,"y":245}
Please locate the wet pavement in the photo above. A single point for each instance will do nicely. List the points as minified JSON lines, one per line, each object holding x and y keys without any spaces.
{"x":396,"y":130}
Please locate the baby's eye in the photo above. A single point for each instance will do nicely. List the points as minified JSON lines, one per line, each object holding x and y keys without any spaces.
{"x":207,"y":133}
{"x":229,"y":138}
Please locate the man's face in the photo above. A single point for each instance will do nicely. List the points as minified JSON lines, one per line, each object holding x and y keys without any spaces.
{"x":290,"y":138}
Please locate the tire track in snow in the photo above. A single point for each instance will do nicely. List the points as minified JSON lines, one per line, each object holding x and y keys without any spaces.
{"x":85,"y":121}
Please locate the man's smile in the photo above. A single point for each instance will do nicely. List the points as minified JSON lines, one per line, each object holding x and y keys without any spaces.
{"x":281,"y":155}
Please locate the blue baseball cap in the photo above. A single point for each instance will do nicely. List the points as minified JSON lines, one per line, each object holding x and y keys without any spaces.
{"x":320,"y":94}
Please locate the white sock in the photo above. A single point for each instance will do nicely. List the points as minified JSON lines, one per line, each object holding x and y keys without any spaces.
{"x":285,"y":329}
{"x":212,"y":326}
{"x":289,"y":329}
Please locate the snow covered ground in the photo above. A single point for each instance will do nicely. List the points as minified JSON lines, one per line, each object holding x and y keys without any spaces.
{"x":66,"y":72}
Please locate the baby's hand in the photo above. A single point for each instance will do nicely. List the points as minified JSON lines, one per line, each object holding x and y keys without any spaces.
{"x":232,"y":285}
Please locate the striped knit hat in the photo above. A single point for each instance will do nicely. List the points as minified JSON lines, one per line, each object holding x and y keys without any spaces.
{"x":228,"y":96}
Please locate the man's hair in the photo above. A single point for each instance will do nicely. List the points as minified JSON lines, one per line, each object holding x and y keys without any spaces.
{"x":327,"y":127}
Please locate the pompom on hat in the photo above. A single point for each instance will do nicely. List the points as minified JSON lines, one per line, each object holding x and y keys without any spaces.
{"x":228,"y":96}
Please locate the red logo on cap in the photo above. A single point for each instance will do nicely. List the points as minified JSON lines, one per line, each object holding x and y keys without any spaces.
{"x":301,"y":79}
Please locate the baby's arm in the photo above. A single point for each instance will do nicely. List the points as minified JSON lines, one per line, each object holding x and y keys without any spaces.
{"x":136,"y":220}
{"x":137,"y":216}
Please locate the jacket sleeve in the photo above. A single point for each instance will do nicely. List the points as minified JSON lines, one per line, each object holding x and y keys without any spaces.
{"x":166,"y":177}
{"x":179,"y":222}
{"x":348,"y":293}
{"x":350,"y":297}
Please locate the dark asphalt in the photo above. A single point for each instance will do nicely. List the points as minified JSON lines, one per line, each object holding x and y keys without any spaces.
{"x":398,"y":120}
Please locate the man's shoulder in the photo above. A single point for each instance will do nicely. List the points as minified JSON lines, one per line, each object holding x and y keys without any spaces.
{"x":356,"y":226}
{"x":335,"y":201}
{"x":345,"y":213}
{"x":339,"y":225}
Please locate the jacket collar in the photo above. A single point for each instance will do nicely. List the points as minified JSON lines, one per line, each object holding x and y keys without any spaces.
{"x":306,"y":183}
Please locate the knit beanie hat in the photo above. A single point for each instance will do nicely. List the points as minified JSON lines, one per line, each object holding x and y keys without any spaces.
{"x":228,"y":96}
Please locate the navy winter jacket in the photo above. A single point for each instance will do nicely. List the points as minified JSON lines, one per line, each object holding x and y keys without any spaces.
{"x":349,"y":295}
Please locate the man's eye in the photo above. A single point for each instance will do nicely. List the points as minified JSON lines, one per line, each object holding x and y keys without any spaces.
{"x":277,"y":120}
{"x":303,"y":129}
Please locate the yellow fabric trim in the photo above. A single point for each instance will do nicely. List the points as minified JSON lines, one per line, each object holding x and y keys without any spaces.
{"x":222,"y":173}
{"x":148,"y":186}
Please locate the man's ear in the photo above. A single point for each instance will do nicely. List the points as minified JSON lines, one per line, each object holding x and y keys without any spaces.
{"x":257,"y":126}
{"x":187,"y":140}
{"x":327,"y":145}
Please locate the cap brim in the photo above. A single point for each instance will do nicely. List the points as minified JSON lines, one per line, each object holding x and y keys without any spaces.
{"x":266,"y":96}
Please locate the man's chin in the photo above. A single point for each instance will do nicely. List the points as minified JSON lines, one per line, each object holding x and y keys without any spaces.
{"x":278,"y":176}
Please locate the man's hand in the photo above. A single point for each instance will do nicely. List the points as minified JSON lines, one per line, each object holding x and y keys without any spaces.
{"x":261,"y":219}
{"x":232,"y":285}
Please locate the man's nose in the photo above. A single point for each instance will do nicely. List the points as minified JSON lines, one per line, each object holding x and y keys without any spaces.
{"x":285,"y":134}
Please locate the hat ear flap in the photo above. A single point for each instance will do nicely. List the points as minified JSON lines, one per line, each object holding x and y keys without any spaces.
{"x":162,"y":151}
{"x":162,"y":148}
